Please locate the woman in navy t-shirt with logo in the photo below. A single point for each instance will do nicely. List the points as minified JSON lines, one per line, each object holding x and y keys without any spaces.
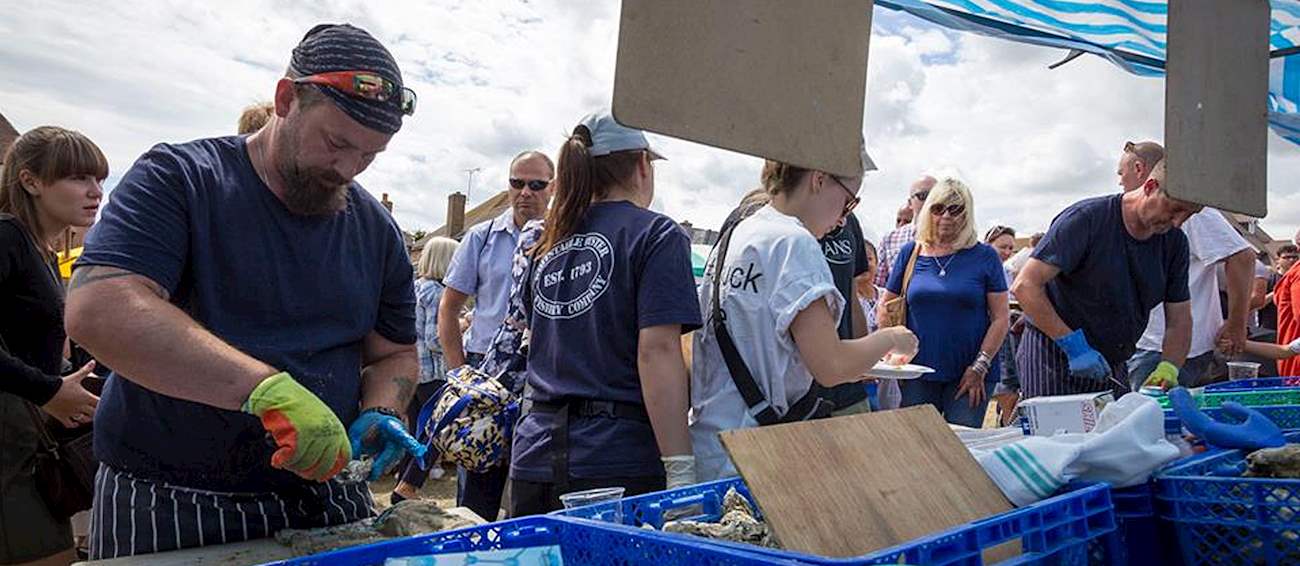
{"x":611,"y":291}
{"x":956,"y":305}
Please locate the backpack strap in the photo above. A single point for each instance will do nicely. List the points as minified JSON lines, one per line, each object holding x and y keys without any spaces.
{"x":427,"y":435}
{"x":810,"y":406}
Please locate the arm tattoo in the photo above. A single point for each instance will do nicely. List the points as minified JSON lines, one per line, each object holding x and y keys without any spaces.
{"x":88,"y":274}
{"x":405,"y":389}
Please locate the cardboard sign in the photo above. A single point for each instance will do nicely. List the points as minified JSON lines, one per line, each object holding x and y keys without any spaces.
{"x":777,"y":79}
{"x":1216,"y":94}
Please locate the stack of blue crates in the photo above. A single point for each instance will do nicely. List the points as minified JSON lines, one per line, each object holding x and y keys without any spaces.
{"x":1073,"y":528}
{"x":1220,"y":517}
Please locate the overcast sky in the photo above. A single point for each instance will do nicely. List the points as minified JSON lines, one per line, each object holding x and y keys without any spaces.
{"x":495,"y":77}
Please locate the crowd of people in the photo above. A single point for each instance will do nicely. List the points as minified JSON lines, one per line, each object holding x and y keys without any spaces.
{"x":265,"y":325}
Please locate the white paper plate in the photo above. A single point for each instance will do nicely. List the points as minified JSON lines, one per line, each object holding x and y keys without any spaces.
{"x":908,"y":371}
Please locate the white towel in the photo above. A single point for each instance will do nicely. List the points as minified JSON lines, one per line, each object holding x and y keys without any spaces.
{"x":1125,"y":447}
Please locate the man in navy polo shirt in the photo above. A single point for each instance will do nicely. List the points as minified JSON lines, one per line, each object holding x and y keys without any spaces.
{"x":252,"y":299}
{"x":1091,"y":284}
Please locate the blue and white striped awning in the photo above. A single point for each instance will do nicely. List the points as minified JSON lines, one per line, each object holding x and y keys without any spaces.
{"x":1129,"y":33}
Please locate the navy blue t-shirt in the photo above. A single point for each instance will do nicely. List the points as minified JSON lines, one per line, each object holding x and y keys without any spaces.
{"x":297,"y":292}
{"x":950,"y":313}
{"x":624,"y":269}
{"x":1109,"y":281}
{"x":846,"y":255}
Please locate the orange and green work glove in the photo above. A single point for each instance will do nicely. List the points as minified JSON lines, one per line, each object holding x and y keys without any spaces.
{"x":1165,"y":376}
{"x":309,"y":438}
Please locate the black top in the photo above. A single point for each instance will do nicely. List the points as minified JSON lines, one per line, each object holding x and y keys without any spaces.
{"x":1268,"y":314}
{"x":31,"y":317}
{"x":846,"y":254}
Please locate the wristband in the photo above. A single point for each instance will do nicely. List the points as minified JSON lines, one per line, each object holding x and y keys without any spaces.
{"x":383,"y":411}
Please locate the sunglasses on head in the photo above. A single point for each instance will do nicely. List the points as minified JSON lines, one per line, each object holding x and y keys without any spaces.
{"x":999,"y":231}
{"x":951,"y":210}
{"x":361,"y":84}
{"x":534,"y":185}
{"x":853,"y":201}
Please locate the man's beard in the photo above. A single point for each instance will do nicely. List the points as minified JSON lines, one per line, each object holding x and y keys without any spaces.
{"x":311,"y":191}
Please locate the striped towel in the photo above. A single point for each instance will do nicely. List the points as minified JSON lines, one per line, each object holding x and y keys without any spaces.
{"x":1127,"y":445}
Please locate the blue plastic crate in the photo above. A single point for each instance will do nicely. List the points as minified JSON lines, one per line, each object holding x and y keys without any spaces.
{"x":701,"y":502}
{"x":1065,"y":529}
{"x":1144,"y":539}
{"x":581,"y":543}
{"x":1257,"y":383}
{"x":1219,"y":517}
{"x":1287,"y":417}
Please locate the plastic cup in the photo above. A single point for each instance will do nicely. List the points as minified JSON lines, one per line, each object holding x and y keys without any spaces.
{"x":594,"y":497}
{"x":1243,"y":370}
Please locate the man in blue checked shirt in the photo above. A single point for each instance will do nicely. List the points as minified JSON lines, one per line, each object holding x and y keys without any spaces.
{"x":481,"y":269}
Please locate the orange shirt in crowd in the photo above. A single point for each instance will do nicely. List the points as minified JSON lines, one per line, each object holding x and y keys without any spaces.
{"x":1287,"y":297}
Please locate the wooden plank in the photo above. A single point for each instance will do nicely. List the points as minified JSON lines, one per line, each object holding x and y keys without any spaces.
{"x":773,"y":78}
{"x":1216,"y":93}
{"x":851,"y":485}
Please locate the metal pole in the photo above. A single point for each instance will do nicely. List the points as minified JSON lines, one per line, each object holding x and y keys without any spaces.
{"x":469,"y":183}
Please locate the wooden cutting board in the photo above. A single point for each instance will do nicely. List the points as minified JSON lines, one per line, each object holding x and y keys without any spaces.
{"x":851,"y":485}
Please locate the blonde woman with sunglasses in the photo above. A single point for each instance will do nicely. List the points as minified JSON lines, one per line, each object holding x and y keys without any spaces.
{"x":956,"y":305}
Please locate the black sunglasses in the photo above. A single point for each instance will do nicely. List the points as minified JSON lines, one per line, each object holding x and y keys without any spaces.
{"x":534,"y":185}
{"x":952,"y":210}
{"x":921,"y":196}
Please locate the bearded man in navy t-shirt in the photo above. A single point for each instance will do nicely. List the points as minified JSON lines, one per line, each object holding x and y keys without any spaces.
{"x":1091,"y":284}
{"x":253,"y":301}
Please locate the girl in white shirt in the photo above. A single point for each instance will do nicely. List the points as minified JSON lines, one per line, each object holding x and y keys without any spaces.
{"x":781,"y":308}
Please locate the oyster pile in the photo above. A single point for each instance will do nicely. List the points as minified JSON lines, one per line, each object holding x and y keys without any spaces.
{"x":410,"y":517}
{"x":737,"y":524}
{"x":1281,"y":462}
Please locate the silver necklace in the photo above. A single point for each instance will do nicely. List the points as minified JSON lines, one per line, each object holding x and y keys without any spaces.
{"x":943,"y":266}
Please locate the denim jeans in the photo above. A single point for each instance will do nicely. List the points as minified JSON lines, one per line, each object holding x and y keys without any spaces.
{"x":1195,"y":372}
{"x":942,"y":395}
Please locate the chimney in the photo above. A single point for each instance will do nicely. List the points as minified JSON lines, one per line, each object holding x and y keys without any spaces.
{"x":387,"y":203}
{"x":455,"y":215}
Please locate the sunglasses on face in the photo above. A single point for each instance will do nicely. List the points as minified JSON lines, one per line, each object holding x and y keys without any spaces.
{"x":1291,"y":257}
{"x":951,"y":210}
{"x":361,"y":84}
{"x":921,"y":196}
{"x":853,"y":201}
{"x":534,"y":185}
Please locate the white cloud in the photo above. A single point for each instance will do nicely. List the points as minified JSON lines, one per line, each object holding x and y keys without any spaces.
{"x":497,"y":77}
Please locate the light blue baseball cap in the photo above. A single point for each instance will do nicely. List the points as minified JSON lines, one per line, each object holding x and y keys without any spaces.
{"x":608,"y":136}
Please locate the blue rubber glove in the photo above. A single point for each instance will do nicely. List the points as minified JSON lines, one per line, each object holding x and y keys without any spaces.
{"x":376,"y":433}
{"x":1253,"y":433}
{"x":1085,"y":362}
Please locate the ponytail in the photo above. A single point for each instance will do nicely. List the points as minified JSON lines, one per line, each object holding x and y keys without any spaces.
{"x":779,"y":177}
{"x":573,"y":191}
{"x":579,"y":180}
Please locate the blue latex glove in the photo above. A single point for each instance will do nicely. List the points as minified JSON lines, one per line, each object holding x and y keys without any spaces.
{"x":1253,"y":433}
{"x":1085,"y":362}
{"x":376,"y":433}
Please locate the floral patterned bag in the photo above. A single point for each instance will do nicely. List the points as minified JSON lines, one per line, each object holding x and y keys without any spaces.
{"x":469,"y":421}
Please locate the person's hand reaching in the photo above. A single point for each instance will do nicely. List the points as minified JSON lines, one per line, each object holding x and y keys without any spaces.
{"x":72,"y":405}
